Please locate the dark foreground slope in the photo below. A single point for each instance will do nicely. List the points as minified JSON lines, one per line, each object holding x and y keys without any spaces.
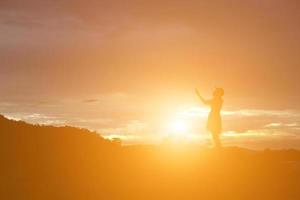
{"x":39,"y":162}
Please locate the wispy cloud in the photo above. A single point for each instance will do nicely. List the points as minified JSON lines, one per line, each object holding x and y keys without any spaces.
{"x":36,"y":118}
{"x":90,"y":101}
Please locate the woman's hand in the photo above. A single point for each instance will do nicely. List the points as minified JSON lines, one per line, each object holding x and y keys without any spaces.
{"x":200,"y":97}
{"x":198,"y":93}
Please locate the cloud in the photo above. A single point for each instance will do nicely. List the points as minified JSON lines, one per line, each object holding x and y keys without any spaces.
{"x":90,"y":101}
{"x":274,"y":125}
{"x":36,"y":118}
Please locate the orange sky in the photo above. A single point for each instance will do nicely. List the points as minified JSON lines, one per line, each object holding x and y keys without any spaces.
{"x":129,"y":67}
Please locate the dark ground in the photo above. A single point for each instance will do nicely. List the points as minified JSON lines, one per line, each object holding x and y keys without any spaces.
{"x":41,"y":163}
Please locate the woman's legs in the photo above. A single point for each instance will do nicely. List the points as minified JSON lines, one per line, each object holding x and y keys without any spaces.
{"x":216,"y":138}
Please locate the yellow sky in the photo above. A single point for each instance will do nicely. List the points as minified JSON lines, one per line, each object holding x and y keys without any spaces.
{"x":129,"y":68}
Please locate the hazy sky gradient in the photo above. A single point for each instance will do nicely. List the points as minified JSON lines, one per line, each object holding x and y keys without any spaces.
{"x":117,"y":66}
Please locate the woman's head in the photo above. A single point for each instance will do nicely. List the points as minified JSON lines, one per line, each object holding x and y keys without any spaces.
{"x":218,"y":92}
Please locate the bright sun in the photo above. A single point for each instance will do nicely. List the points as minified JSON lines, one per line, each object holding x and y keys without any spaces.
{"x":178,"y":126}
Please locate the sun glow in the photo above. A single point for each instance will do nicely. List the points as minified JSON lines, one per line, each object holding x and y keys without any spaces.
{"x":178,"y":127}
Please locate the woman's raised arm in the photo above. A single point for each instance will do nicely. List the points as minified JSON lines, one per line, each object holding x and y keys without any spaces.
{"x":207,"y":102}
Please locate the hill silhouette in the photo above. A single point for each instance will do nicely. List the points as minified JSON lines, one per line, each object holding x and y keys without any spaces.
{"x":45,"y":162}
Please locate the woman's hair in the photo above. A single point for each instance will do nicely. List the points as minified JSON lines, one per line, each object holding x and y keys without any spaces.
{"x":219,"y":92}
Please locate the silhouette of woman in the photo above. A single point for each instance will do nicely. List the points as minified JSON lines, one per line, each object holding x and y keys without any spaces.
{"x":214,"y":122}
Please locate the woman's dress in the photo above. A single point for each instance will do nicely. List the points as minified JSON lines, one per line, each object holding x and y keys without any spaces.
{"x":214,"y":122}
